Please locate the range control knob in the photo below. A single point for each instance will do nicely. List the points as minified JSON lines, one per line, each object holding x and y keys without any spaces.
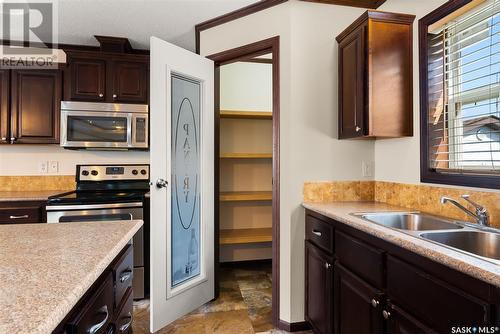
{"x":143,"y":172}
{"x":135,"y":172}
{"x":85,"y":172}
{"x":94,"y":172}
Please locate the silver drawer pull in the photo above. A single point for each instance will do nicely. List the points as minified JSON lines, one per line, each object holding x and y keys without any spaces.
{"x":19,"y":217}
{"x":318,"y":233}
{"x":125,"y":326}
{"x":96,"y":327}
{"x":125,"y":275}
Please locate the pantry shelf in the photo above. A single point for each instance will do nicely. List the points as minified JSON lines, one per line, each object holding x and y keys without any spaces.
{"x":239,"y":196}
{"x":245,"y":236}
{"x":246,"y":114}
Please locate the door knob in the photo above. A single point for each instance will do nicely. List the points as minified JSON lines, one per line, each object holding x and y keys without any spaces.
{"x":12,"y":140}
{"x":115,"y":96}
{"x":4,"y":138}
{"x":101,"y":95}
{"x":358,"y":129}
{"x":161,"y":183}
{"x":327,"y":265}
{"x":386,"y":314}
{"x":375,"y":302}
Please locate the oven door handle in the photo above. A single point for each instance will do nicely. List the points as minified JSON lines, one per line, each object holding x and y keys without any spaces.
{"x":93,"y":206}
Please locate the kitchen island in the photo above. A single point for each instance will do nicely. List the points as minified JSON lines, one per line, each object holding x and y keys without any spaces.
{"x":46,"y":269}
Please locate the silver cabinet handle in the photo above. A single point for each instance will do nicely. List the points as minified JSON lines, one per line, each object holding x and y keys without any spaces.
{"x":124,"y":327}
{"x":358,"y":129}
{"x":96,"y":327}
{"x":115,"y":96}
{"x":19,"y":217}
{"x":161,"y":183}
{"x":375,"y":302}
{"x":125,"y":275}
{"x":327,"y":265}
{"x":318,"y":233}
{"x":386,"y":314}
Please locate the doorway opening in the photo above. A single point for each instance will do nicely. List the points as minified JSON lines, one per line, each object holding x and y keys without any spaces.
{"x":246,"y":239}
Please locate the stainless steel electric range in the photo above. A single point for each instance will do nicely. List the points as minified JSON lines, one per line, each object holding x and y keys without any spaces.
{"x":107,"y":193}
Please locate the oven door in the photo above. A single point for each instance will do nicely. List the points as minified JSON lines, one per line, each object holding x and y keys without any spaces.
{"x":96,"y":129}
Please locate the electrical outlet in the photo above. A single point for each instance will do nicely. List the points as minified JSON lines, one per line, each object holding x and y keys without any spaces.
{"x":54,"y":167}
{"x":367,"y":168}
{"x":43,"y":167}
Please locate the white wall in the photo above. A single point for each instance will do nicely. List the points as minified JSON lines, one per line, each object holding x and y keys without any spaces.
{"x":398,"y":160}
{"x":246,"y":86}
{"x":25,"y":159}
{"x":308,"y":123}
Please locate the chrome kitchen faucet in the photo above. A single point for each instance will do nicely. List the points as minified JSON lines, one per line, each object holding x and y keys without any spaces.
{"x":481,"y":215}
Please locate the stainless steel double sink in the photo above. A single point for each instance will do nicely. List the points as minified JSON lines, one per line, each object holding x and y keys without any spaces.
{"x":461,"y":236}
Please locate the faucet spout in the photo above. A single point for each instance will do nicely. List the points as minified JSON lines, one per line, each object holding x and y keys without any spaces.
{"x":481,"y":215}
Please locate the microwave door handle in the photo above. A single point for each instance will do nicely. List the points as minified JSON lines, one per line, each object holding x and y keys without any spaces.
{"x":130,"y":120}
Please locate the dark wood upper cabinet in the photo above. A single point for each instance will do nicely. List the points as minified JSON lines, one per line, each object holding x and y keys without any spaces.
{"x":87,"y":80}
{"x":4,"y":106}
{"x":35,"y":106}
{"x":358,"y":306}
{"x":130,"y":81}
{"x":106,"y":77}
{"x":375,"y":77}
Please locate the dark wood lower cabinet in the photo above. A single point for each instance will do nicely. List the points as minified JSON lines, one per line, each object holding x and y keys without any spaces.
{"x":22,"y":212}
{"x":379,"y":287}
{"x":99,"y":311}
{"x":358,"y":306}
{"x":319,"y":289}
{"x":400,"y":322}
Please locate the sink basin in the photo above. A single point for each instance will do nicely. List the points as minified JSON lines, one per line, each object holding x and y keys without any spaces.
{"x":410,"y":221}
{"x":479,"y":243}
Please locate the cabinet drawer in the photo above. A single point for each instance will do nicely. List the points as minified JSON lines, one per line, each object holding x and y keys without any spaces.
{"x":20,"y":215}
{"x":437,"y":303}
{"x":123,"y":321}
{"x":319,"y":233}
{"x":123,"y":272}
{"x":362,"y":259}
{"x":95,"y":315}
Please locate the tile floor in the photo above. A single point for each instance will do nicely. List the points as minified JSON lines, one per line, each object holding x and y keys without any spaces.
{"x":244,"y":305}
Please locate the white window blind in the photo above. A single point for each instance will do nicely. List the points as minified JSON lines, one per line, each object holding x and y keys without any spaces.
{"x":469,"y":139}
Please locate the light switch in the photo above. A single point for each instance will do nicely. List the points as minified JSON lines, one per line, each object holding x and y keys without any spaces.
{"x":54,"y":167}
{"x":367,"y":168}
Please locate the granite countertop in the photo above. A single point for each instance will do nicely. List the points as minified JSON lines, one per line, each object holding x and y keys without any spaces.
{"x":13,"y":196}
{"x":471,"y":265}
{"x":46,"y":268}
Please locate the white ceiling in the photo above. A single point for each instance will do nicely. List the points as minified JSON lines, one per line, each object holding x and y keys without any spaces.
{"x":171,"y":20}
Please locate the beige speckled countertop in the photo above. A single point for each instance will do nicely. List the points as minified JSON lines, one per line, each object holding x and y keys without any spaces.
{"x":471,"y":265}
{"x":46,"y":268}
{"x":12,"y":196}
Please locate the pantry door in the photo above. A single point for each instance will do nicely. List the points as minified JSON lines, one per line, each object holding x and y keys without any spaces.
{"x":182,"y":182}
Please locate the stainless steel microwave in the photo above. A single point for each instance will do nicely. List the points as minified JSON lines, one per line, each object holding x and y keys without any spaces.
{"x":92,"y":125}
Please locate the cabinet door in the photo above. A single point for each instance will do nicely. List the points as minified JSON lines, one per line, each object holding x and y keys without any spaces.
{"x":319,"y":290}
{"x":358,"y":306}
{"x":87,"y":79}
{"x":4,"y":106}
{"x":130,"y":81}
{"x":400,"y":322}
{"x":35,"y":106}
{"x":352,"y":85}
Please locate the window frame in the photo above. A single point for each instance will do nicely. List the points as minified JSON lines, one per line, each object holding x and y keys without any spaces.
{"x":428,"y":174}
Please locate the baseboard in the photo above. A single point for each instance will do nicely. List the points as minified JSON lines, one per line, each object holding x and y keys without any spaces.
{"x":294,"y":326}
